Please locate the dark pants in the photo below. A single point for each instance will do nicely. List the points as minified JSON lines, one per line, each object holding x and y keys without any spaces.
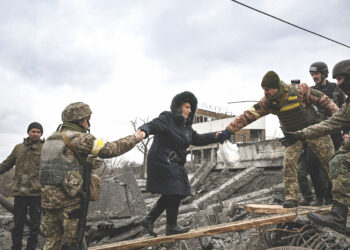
{"x":319,"y":176}
{"x":21,"y":206}
{"x":310,"y":164}
{"x":171,"y":204}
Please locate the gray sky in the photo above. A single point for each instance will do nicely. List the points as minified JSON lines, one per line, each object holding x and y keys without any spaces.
{"x":127,"y":59}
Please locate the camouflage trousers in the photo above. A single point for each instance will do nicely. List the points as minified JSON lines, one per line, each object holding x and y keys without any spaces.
{"x":322,"y":147}
{"x":58,"y":228}
{"x":340,"y":176}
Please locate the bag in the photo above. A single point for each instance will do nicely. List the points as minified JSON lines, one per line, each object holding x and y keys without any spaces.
{"x":95,"y":187}
{"x":229,"y":153}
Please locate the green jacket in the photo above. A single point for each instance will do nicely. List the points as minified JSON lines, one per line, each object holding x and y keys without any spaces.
{"x":340,"y":120}
{"x":26,"y":157}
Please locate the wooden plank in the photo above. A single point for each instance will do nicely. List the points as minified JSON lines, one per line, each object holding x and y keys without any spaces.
{"x":206,"y":231}
{"x":279,"y":209}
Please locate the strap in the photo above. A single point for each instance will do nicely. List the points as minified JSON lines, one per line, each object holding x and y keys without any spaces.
{"x":286,"y":89}
{"x":69,"y":145}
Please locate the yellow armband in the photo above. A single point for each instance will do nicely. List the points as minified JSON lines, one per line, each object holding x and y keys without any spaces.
{"x":98,"y":145}
{"x":254,"y":112}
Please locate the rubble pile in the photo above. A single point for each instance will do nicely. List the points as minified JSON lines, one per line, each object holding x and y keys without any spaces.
{"x":219,"y":195}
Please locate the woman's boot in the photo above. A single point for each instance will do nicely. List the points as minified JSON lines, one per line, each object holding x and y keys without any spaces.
{"x":150,"y":218}
{"x":172,"y":211}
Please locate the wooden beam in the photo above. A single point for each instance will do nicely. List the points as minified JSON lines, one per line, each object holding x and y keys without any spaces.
{"x":206,"y":231}
{"x":279,"y":209}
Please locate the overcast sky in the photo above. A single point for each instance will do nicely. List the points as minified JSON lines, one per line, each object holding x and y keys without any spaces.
{"x":127,"y":59}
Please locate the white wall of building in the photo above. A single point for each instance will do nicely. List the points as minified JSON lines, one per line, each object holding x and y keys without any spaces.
{"x":221,"y":124}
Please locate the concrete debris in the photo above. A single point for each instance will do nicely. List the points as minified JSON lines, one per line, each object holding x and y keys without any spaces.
{"x":219,"y":195}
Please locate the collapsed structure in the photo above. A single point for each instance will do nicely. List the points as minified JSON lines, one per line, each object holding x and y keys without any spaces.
{"x":219,"y":196}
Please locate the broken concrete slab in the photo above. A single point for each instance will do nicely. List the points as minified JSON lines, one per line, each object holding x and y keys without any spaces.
{"x":228,"y":188}
{"x":120,"y":197}
{"x":253,"y":195}
{"x":200,"y":175}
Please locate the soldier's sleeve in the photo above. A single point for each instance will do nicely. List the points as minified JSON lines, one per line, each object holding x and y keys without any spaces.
{"x":338,"y":121}
{"x":308,"y":95}
{"x":255,"y":112}
{"x":338,"y":96}
{"x":9,"y":162}
{"x":116,"y":148}
{"x":83,"y":143}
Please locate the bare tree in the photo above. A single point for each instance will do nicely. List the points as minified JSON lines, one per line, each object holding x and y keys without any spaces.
{"x":143,"y":147}
{"x":110,"y":166}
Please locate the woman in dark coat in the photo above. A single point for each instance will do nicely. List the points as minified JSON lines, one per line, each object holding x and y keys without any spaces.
{"x":166,"y":174}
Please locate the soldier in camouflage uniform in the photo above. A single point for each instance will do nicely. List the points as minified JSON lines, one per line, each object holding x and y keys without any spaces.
{"x":60,"y":172}
{"x":26,"y":185}
{"x":340,"y":163}
{"x":309,"y":164}
{"x":293,"y":106}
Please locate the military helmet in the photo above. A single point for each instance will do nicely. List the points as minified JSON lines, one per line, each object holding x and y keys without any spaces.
{"x":341,"y":68}
{"x":319,"y":67}
{"x":75,"y":112}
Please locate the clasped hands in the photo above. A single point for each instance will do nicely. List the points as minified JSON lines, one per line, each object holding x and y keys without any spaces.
{"x":140,"y":135}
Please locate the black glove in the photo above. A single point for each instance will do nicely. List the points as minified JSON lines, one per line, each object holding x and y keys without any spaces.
{"x":224,"y":135}
{"x":291,"y":138}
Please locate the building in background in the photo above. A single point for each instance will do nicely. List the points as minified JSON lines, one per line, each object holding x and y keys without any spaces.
{"x":208,"y":121}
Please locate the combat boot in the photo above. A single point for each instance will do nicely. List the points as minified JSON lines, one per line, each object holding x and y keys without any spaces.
{"x":335,"y":220}
{"x":317,"y":202}
{"x":305,"y":201}
{"x":176,"y":229}
{"x":328,"y":199}
{"x":290,"y":203}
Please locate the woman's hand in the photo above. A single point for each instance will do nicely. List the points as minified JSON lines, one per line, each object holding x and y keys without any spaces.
{"x":140,"y":135}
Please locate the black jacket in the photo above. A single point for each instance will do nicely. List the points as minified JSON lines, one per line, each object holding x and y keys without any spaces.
{"x":173,"y":134}
{"x":338,"y":97}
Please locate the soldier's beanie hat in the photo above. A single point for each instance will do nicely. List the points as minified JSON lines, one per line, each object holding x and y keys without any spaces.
{"x":36,"y":125}
{"x":270,"y":80}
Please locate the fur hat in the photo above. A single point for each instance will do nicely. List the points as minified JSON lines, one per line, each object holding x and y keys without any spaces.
{"x":176,"y":103}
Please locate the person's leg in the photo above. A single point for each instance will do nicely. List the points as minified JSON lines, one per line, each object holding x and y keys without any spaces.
{"x":52,"y":228}
{"x":35,"y":216}
{"x":303,"y":181}
{"x":324,"y":150}
{"x":154,"y":213}
{"x":291,"y":189}
{"x":20,"y":213}
{"x":340,"y":177}
{"x":172,"y":211}
{"x":70,"y":225}
{"x":319,"y":178}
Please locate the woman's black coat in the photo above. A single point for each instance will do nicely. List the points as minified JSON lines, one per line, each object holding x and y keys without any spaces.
{"x":166,"y":173}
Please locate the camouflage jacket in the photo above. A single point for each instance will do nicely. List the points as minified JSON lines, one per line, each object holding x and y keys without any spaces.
{"x":26,"y":157}
{"x":306,"y":96}
{"x":85,"y":144}
{"x":340,"y":120}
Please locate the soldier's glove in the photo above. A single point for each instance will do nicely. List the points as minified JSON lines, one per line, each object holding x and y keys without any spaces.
{"x":291,"y":138}
{"x":95,"y":161}
{"x":223,"y":136}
